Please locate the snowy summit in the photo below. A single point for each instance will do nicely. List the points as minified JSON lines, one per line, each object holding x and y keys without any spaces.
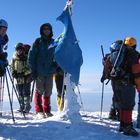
{"x":91,"y":127}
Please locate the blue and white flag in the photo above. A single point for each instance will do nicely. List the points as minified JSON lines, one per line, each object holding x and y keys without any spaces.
{"x":68,"y":54}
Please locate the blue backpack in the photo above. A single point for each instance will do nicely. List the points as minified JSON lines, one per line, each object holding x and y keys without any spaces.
{"x":117,"y":59}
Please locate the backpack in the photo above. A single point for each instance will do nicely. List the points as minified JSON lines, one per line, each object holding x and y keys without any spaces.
{"x":26,"y":48}
{"x":114,"y":62}
{"x":107,"y":66}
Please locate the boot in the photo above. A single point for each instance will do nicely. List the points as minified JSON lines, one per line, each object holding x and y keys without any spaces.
{"x":38,"y":102}
{"x":129,"y":130}
{"x":127,"y":125}
{"x":27,"y":105}
{"x":138,"y":117}
{"x":122,"y":125}
{"x":112,"y":114}
{"x":46,"y":106}
{"x":60,"y":104}
{"x":21,"y":101}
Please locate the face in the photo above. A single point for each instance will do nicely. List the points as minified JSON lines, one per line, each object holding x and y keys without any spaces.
{"x":3,"y":31}
{"x":46,"y":31}
{"x":19,"y":51}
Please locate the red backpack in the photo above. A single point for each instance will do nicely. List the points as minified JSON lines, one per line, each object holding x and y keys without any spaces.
{"x":26,"y":48}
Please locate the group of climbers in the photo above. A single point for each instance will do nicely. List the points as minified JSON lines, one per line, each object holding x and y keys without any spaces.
{"x":33,"y":63}
{"x":37,"y":63}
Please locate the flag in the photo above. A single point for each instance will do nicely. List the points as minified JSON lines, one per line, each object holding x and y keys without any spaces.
{"x":68,"y":54}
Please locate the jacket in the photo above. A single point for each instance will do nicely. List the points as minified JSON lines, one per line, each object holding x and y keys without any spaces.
{"x":20,"y":70}
{"x":41,"y":57}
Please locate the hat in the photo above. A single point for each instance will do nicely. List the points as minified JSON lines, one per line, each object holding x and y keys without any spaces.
{"x":44,"y":25}
{"x":3,"y":23}
{"x":19,"y":46}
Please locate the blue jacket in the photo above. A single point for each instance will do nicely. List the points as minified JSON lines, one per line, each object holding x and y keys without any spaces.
{"x":3,"y":41}
{"x":41,"y":57}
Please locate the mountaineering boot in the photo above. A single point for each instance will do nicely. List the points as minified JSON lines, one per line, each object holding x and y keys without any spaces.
{"x":113,"y":114}
{"x":27,"y":105}
{"x":46,"y":106}
{"x":40,"y":115}
{"x":138,"y":117}
{"x":126,"y":125}
{"x":21,"y":101}
{"x":122,"y":125}
{"x":60,"y":103}
{"x":129,"y":130}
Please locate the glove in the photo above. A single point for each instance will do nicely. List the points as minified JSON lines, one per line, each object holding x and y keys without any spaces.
{"x":6,"y":39}
{"x":102,"y":79}
{"x":14,"y":74}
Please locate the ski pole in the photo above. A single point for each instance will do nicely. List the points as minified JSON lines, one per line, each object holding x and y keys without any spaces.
{"x":102,"y":87}
{"x":32,"y":91}
{"x":102,"y":101}
{"x":80,"y":97}
{"x":1,"y":97}
{"x":14,"y":89}
{"x":10,"y":98}
{"x":2,"y":91}
{"x":12,"y":92}
{"x":102,"y":51}
{"x":63,"y":89}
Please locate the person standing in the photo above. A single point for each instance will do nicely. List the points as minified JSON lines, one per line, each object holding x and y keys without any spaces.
{"x":41,"y":61}
{"x":124,"y":64}
{"x":124,"y":86}
{"x":138,"y":116}
{"x":113,"y":114}
{"x":3,"y":46}
{"x":59,"y":77}
{"x":21,"y":72}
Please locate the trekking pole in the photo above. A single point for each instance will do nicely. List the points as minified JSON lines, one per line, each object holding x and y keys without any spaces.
{"x":12,"y":92}
{"x":2,"y":91}
{"x":1,"y":97}
{"x":15,"y":90}
{"x":10,"y":98}
{"x":32,"y":92}
{"x":102,"y":100}
{"x":63,"y":90}
{"x":80,"y":97}
{"x":102,"y":88}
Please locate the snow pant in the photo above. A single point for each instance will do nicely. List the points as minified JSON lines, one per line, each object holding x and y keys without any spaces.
{"x":24,"y":96}
{"x":43,"y":93}
{"x":115,"y":103}
{"x":124,"y":94}
{"x":59,"y":86}
{"x":114,"y":110}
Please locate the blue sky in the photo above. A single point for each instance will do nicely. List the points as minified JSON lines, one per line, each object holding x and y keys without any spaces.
{"x":96,"y":23}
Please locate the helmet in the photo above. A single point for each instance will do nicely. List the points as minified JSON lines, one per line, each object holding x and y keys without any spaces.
{"x":3,"y":23}
{"x":19,"y":46}
{"x":130,"y":41}
{"x":26,"y":48}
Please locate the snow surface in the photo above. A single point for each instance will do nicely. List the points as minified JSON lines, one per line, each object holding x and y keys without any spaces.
{"x":91,"y":127}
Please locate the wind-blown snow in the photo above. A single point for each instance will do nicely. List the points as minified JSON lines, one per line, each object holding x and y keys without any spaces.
{"x":57,"y":128}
